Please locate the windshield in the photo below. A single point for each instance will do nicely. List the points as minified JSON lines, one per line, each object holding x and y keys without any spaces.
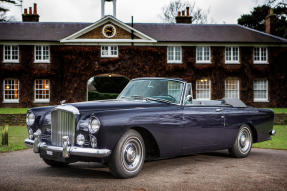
{"x":154,"y":89}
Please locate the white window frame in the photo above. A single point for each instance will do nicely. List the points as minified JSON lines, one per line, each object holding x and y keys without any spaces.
{"x":11,"y":60}
{"x":203,"y":61}
{"x":109,"y":51}
{"x":232,"y":61}
{"x":41,"y":100}
{"x":237,"y":89}
{"x":174,"y":61}
{"x":267,"y":92}
{"x":4,"y":88}
{"x":42,"y":54}
{"x":260,"y":61}
{"x":197,"y":88}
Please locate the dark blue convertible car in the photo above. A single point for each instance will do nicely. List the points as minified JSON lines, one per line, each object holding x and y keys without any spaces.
{"x":152,"y":118}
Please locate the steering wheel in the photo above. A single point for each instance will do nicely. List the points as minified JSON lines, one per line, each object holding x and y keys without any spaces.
{"x":172,"y":98}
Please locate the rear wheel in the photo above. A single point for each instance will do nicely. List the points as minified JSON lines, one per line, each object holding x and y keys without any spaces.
{"x":243,"y":143}
{"x":128,"y":156}
{"x":55,"y":163}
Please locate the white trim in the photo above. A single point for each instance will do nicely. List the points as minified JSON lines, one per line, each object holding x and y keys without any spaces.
{"x":232,"y":61}
{"x":203,"y":61}
{"x":42,"y":100}
{"x":11,"y":60}
{"x":42,"y":61}
{"x":10,"y":100}
{"x":106,"y":40}
{"x":173,"y":52}
{"x":136,"y":43}
{"x":109,"y":52}
{"x":102,"y":21}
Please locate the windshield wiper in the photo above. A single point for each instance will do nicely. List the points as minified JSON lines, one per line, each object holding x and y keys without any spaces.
{"x":158,"y":100}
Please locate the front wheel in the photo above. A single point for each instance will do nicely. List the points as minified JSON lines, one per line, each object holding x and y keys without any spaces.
{"x":128,"y":156}
{"x":243,"y":143}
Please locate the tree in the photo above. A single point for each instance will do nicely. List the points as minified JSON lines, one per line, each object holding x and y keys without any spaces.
{"x":170,"y":11}
{"x":3,"y":9}
{"x":256,"y":19}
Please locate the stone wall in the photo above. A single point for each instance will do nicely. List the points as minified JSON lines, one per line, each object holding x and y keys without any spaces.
{"x":280,"y":119}
{"x":13,"y":119}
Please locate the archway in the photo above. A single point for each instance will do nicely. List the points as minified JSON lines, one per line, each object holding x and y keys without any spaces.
{"x":105,"y":86}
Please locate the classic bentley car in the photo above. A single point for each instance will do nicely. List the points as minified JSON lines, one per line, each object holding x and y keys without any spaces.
{"x":152,"y":118}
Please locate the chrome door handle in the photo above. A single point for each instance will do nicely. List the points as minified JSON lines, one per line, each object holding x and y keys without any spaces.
{"x":218,"y":110}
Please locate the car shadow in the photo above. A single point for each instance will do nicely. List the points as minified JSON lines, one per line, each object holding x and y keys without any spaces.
{"x":78,"y":170}
{"x":95,"y":170}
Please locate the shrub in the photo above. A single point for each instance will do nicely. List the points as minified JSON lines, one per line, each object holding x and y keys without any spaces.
{"x":100,"y":96}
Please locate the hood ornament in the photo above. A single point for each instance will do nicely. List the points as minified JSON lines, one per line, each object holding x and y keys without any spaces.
{"x":62,"y":102}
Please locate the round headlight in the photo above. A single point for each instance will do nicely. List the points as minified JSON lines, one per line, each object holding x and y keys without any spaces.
{"x":80,"y":139}
{"x":94,"y":125}
{"x":30,"y":119}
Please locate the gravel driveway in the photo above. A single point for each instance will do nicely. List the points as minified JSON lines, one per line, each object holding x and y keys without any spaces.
{"x":264,"y":169}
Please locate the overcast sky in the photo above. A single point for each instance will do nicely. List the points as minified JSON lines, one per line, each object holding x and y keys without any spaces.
{"x":220,"y":11}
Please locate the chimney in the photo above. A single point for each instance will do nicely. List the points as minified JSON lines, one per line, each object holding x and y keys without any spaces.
{"x":186,"y":19}
{"x":32,"y":16}
{"x":35,"y":9}
{"x":269,"y":21}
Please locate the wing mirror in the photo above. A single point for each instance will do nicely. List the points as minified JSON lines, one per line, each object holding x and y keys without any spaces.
{"x":189,"y":98}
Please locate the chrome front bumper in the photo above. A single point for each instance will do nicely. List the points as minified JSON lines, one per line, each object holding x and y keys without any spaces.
{"x":66,"y":150}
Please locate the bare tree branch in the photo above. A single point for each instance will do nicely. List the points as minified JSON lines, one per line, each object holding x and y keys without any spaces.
{"x":170,"y":11}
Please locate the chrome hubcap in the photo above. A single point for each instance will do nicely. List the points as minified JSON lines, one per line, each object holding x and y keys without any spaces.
{"x":244,"y":140}
{"x":132,"y":154}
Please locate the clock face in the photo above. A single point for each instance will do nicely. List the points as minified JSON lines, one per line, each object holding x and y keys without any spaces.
{"x":109,"y":31}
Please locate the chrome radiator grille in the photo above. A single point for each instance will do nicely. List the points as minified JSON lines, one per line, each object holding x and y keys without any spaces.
{"x":63,"y":123}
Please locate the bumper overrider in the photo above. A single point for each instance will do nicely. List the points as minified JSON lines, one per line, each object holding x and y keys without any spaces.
{"x":66,"y":149}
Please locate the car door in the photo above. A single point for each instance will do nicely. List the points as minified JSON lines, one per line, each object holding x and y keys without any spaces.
{"x":203,"y":128}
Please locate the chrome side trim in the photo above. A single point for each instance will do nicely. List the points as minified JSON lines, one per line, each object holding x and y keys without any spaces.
{"x":72,"y":150}
{"x":68,"y":108}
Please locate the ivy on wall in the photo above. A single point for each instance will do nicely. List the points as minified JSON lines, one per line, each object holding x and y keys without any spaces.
{"x":72,"y":66}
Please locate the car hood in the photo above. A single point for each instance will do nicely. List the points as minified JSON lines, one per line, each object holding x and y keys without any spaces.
{"x":115,"y":104}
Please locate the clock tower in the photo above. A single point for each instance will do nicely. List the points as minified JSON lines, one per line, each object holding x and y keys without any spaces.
{"x":114,"y":7}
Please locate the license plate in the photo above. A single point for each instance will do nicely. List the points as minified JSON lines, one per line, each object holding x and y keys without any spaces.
{"x":49,"y":153}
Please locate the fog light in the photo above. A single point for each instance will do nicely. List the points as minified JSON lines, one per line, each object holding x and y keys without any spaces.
{"x":94,"y":143}
{"x":80,"y":139}
{"x":30,"y":132}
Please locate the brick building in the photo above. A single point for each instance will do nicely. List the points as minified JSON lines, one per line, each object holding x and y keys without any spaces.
{"x":42,"y":63}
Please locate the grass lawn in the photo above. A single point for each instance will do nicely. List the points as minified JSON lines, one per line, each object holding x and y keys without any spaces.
{"x":13,"y":110}
{"x":279,"y":140}
{"x":16,"y":136}
{"x":279,"y":110}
